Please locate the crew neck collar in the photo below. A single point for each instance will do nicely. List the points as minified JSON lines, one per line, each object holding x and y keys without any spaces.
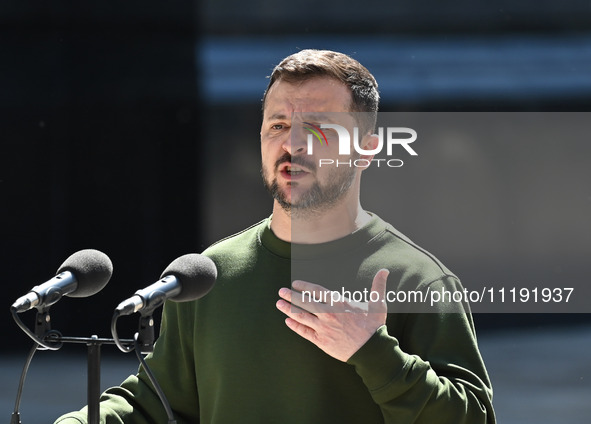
{"x":298,"y":251}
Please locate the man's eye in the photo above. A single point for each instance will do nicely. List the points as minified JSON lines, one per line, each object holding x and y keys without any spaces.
{"x":277,"y":126}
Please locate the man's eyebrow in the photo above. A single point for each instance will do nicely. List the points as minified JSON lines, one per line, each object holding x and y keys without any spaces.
{"x":318,"y":117}
{"x":330,"y":117}
{"x":278,"y":116}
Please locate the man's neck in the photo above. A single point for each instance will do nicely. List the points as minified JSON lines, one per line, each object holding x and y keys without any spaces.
{"x":315,"y":228}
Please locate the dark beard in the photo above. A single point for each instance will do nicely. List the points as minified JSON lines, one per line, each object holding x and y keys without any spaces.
{"x":317,"y":199}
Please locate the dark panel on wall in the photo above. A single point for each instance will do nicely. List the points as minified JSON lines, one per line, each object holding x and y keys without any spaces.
{"x":100,"y":147}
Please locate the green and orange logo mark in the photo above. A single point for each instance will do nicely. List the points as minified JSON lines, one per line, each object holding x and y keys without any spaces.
{"x":317,"y":132}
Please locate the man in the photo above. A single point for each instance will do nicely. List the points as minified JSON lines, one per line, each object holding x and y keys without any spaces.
{"x":241,"y":354}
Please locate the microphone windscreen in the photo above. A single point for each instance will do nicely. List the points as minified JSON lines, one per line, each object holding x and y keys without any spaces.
{"x":92,"y":269}
{"x":196,"y":273}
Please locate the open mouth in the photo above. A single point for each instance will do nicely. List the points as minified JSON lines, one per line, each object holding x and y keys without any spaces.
{"x":293,"y":171}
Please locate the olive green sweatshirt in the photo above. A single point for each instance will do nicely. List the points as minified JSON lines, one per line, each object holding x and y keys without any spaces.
{"x":229,"y":357}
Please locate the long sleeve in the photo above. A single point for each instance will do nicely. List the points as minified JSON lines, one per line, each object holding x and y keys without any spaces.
{"x":432,"y":373}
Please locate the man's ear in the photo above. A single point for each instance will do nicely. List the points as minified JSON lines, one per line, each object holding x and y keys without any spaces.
{"x":369,"y":142}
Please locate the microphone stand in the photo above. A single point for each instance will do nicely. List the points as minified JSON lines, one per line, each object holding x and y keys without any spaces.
{"x":52,"y":339}
{"x":93,"y":359}
{"x":48,"y":339}
{"x":145,"y":338}
{"x":93,"y":344}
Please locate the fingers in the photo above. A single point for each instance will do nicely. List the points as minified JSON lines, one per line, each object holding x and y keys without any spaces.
{"x":312,"y":290}
{"x":316,"y":299}
{"x":311,"y":302}
{"x":378,"y":291}
{"x":295,"y":313}
{"x":299,"y":320}
{"x":346,"y":325}
{"x":303,"y":330}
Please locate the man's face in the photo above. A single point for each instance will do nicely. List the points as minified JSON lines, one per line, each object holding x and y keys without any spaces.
{"x":292,"y":175}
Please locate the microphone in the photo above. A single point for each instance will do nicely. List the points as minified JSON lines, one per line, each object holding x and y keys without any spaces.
{"x":83,"y":274}
{"x":188,"y":277}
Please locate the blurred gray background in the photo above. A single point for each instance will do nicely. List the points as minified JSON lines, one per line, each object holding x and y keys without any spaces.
{"x":133,"y":128}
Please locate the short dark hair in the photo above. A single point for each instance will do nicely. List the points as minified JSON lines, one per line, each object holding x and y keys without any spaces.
{"x":311,"y":63}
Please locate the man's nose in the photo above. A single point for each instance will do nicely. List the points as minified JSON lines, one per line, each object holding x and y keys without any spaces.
{"x":296,"y":143}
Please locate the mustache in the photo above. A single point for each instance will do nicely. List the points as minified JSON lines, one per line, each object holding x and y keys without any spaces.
{"x":297,"y":160}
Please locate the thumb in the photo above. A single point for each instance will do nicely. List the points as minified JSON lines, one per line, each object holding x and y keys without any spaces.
{"x":377,"y":297}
